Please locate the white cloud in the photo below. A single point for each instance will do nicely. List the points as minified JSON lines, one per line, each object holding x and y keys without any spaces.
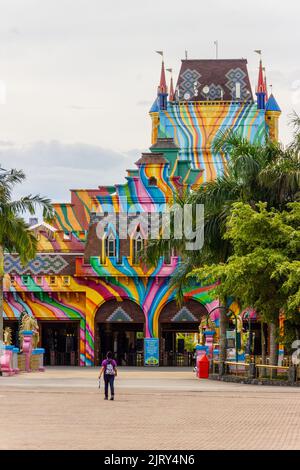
{"x":52,"y":168}
{"x":78,"y":71}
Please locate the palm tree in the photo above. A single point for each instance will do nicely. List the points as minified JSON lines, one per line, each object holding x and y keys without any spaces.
{"x":255,"y":172}
{"x":14,"y":234}
{"x":295,"y":122}
{"x":282,"y":178}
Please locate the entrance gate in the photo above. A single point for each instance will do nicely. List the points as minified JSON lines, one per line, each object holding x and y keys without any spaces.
{"x":60,"y":339}
{"x":179,"y":330}
{"x":61,"y":342}
{"x":119,"y":327}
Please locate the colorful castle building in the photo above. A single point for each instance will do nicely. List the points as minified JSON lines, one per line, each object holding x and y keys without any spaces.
{"x":87,"y":286}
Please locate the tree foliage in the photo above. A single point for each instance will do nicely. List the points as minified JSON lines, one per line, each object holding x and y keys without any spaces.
{"x":15,"y":236}
{"x":263,"y":270}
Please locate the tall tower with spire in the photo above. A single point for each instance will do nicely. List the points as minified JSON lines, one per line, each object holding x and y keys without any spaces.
{"x":160,"y":103}
{"x":162,"y":91}
{"x":269,"y":104}
{"x":171,"y":91}
{"x":261,"y":91}
{"x":212,"y":96}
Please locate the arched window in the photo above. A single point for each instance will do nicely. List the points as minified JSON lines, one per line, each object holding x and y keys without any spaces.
{"x":152,"y":181}
{"x":110,"y":246}
{"x":138,"y":248}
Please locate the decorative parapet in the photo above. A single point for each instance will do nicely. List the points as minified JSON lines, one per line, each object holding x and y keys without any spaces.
{"x":42,"y":264}
{"x":116,"y":268}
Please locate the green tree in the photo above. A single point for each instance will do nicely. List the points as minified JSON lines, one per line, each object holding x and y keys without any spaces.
{"x":263,"y":270}
{"x":14,"y":234}
{"x":255,"y":172}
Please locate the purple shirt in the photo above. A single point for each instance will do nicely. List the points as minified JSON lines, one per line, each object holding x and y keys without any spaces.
{"x":107,"y":361}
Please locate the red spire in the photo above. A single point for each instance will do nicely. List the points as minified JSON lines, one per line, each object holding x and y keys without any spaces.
{"x":261,"y":83}
{"x":163,"y":84}
{"x":171,"y":95}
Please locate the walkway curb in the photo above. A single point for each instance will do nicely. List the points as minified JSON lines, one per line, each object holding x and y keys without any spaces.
{"x":244,"y":380}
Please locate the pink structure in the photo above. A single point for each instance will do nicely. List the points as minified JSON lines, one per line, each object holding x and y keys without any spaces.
{"x":27,"y":348}
{"x":209,"y":340}
{"x":15,"y":360}
{"x":6,"y":361}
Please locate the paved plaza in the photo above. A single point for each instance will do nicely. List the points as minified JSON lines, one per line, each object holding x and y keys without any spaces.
{"x":63,"y":408}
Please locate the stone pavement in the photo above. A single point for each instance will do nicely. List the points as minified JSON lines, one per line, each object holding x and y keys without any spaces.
{"x":154,"y":409}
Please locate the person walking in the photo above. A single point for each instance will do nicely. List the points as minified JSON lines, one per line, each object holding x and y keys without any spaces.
{"x":109,"y":370}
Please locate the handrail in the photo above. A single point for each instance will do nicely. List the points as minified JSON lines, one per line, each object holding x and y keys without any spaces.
{"x":266,"y":366}
{"x":230,"y":363}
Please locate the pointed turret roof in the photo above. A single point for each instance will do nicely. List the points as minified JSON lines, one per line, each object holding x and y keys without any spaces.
{"x":162,"y":84}
{"x":155,"y":107}
{"x":266,"y":88}
{"x":265,"y":84}
{"x":171,"y":95}
{"x":261,"y":87}
{"x":161,"y":90}
{"x":272,"y":104}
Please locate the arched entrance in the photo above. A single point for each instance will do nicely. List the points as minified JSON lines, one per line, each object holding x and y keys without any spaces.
{"x":178,"y":330}
{"x":119,"y":327}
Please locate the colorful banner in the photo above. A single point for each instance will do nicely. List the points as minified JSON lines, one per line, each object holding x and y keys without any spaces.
{"x":151,"y":351}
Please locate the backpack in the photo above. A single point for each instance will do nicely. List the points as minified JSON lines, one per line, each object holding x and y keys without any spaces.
{"x":109,"y":369}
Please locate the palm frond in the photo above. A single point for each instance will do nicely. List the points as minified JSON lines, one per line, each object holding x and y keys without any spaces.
{"x":30,"y":204}
{"x":15,"y":235}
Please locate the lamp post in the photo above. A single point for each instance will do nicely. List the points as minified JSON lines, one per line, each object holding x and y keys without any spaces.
{"x":233,"y":316}
{"x":248,"y":317}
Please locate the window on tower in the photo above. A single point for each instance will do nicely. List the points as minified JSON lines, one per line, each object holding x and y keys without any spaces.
{"x":138,"y":248}
{"x":152,"y":181}
{"x":110,"y":246}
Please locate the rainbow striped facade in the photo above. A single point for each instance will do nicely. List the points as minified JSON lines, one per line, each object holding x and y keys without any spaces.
{"x":72,"y":279}
{"x":196,"y":126}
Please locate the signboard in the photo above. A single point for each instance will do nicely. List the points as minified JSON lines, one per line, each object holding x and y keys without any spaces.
{"x":151,"y":351}
{"x":231,"y":350}
{"x":233,"y":345}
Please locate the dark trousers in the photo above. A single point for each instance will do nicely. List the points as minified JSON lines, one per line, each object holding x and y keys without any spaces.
{"x":109,"y":380}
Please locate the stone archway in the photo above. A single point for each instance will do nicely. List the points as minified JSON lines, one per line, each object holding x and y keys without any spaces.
{"x":119,"y":327}
{"x":174,"y":320}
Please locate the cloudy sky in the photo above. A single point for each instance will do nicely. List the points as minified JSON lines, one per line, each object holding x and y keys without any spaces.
{"x":77,"y":77}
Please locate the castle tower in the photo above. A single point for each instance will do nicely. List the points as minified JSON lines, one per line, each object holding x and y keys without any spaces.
{"x":160,"y":103}
{"x":154,"y":113}
{"x":261,"y":91}
{"x":172,"y":94}
{"x":211,"y":97}
{"x":162,"y":91}
{"x":273,"y":113}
